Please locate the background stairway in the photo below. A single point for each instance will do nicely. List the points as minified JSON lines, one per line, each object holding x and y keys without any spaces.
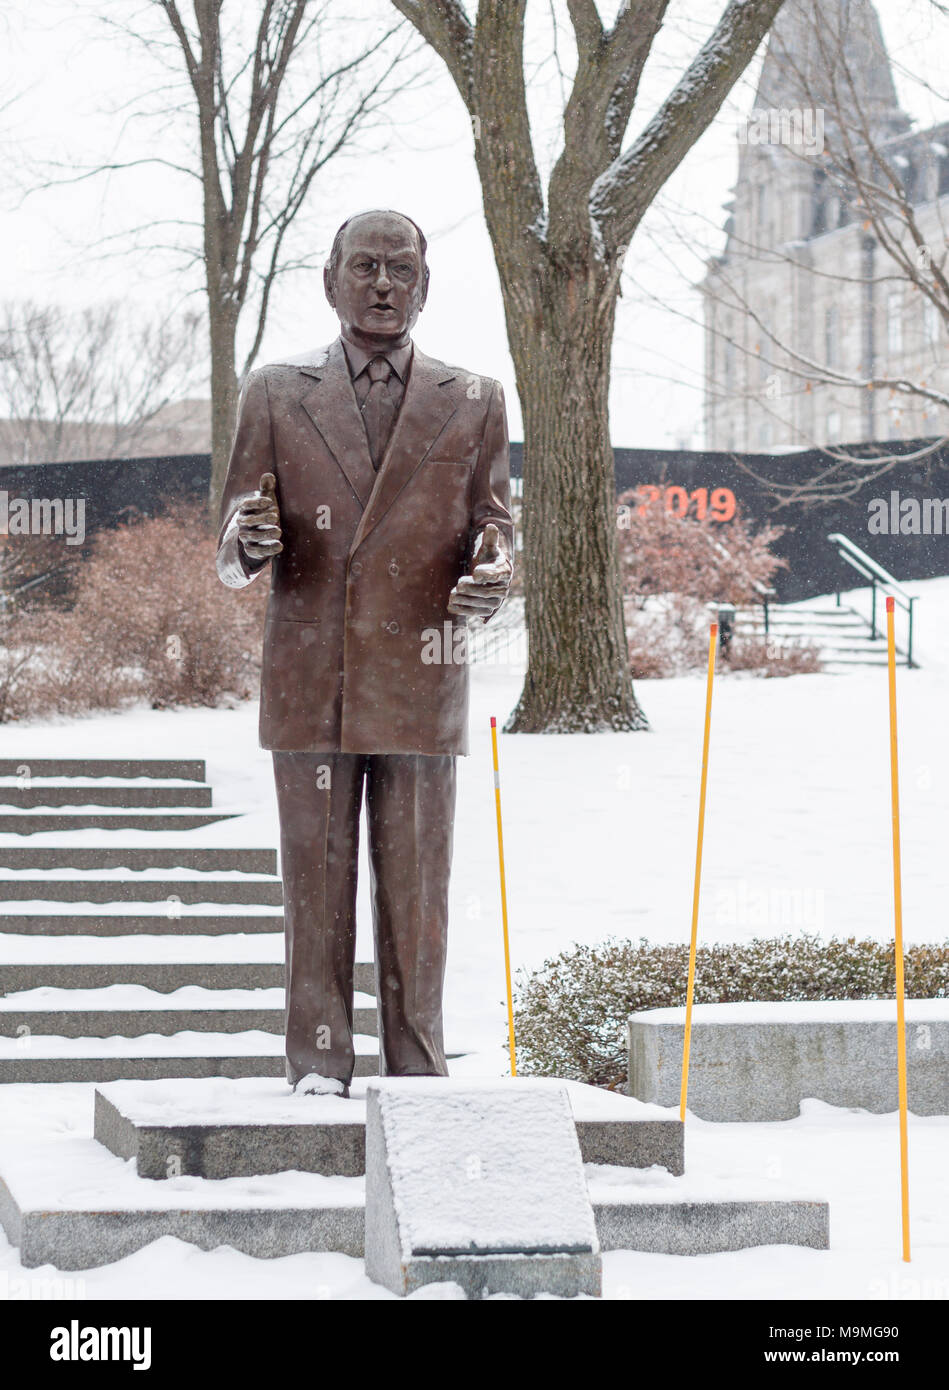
{"x":126,"y":962}
{"x":841,"y":635}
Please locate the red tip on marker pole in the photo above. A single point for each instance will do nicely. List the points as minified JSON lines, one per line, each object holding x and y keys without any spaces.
{"x":713,"y":629}
{"x":493,"y":722}
{"x":889,"y":604}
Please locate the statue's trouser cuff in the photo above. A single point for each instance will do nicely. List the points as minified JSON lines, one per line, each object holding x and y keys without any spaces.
{"x":410,"y":803}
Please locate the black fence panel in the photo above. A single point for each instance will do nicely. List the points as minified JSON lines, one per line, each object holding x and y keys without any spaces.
{"x":714,"y":484}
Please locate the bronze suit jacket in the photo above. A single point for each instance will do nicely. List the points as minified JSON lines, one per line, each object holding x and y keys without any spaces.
{"x":369,"y":558}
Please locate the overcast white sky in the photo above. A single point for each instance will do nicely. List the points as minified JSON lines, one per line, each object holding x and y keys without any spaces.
{"x":76,"y":81}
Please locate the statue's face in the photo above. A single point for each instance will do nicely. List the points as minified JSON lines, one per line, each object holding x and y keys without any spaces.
{"x":380,"y":283}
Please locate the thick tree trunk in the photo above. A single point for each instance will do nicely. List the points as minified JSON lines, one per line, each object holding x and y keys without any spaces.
{"x":559,"y":261}
{"x":578,"y":678}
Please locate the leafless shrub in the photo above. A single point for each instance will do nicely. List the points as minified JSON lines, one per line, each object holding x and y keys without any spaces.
{"x":151,"y":621}
{"x":571,"y":1015}
{"x":672,"y":567}
{"x":664,"y":553}
{"x":89,"y":384}
{"x":667,"y":636}
{"x":768,"y":658}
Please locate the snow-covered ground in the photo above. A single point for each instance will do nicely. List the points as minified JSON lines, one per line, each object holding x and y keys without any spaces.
{"x":600,"y":841}
{"x":849,"y":1158}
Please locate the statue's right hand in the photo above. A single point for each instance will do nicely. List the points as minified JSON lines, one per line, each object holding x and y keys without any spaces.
{"x":258,"y":521}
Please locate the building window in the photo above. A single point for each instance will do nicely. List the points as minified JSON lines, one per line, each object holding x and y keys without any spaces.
{"x":830,"y":336}
{"x":764,"y":215}
{"x":942,"y":183}
{"x":931,"y":319}
{"x":833,"y":427}
{"x":894,"y":322}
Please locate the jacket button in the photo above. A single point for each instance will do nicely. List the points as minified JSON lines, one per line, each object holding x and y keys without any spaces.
{"x":393,"y":568}
{"x":355,"y":568}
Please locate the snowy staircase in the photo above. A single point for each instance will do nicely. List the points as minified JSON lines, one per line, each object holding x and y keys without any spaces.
{"x":841,"y":635}
{"x":55,"y":794}
{"x":138,"y":961}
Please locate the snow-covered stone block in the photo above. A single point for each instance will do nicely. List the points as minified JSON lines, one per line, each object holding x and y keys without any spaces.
{"x":225,"y":1127}
{"x":758,"y":1061}
{"x":477,"y":1183}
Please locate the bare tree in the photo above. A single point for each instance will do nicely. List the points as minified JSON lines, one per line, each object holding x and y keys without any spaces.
{"x":560,"y":254}
{"x":270,"y":92}
{"x":89,"y":384}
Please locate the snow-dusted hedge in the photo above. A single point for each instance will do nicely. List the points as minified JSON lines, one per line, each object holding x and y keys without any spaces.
{"x":570,"y":1015}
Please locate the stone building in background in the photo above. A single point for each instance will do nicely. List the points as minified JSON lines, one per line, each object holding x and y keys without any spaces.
{"x":803,"y":290}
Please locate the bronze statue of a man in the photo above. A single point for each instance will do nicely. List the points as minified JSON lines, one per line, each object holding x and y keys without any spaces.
{"x":374,"y":482}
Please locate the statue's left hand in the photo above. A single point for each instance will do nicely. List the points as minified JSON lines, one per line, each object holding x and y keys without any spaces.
{"x":481,"y":593}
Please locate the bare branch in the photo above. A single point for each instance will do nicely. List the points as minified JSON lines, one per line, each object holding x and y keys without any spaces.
{"x":444,"y":25}
{"x":624,"y":192}
{"x":89,"y":384}
{"x":609,"y":68}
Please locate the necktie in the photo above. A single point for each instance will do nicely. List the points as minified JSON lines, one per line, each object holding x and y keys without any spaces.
{"x":378,"y":409}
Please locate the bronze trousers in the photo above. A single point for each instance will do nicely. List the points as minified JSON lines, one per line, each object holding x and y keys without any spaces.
{"x":410,"y":806}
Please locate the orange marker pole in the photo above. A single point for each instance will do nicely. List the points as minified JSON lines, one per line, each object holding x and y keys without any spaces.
{"x":898,"y":935}
{"x":687,"y":1040}
{"x":507,"y":943}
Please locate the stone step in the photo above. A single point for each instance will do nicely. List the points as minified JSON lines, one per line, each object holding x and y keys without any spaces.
{"x":227,"y":1129}
{"x":164,"y":976}
{"x":706,"y":1226}
{"x":842,"y":621}
{"x":83,"y":1237}
{"x":802,"y":611}
{"x":231,"y":967}
{"x":160,"y":922}
{"x":135,"y":1012}
{"x":50,"y":1209}
{"x":112,"y":887}
{"x":843,"y":630}
{"x":207,"y":858}
{"x":86,"y":794}
{"x":798,"y":631}
{"x":184,"y":769}
{"x":43,"y":1059}
{"x":847,"y":663}
{"x":835,"y":618}
{"x":861,"y":642}
{"x":37,"y":822}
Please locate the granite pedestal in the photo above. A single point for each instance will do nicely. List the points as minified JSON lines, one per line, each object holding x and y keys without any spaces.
{"x":758,"y":1061}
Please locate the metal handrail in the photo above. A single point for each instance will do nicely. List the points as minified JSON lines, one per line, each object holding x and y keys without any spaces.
{"x":865,"y":565}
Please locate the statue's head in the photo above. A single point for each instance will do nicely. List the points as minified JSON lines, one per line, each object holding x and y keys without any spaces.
{"x":376,"y":277}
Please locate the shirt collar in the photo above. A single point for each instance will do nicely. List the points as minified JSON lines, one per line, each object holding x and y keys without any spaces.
{"x":358,"y":359}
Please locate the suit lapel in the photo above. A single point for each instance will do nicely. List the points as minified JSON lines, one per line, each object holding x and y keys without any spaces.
{"x":426,"y":409}
{"x":330,"y":402}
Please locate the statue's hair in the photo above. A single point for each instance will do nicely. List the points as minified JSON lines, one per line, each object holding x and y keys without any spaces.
{"x":336,"y":250}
